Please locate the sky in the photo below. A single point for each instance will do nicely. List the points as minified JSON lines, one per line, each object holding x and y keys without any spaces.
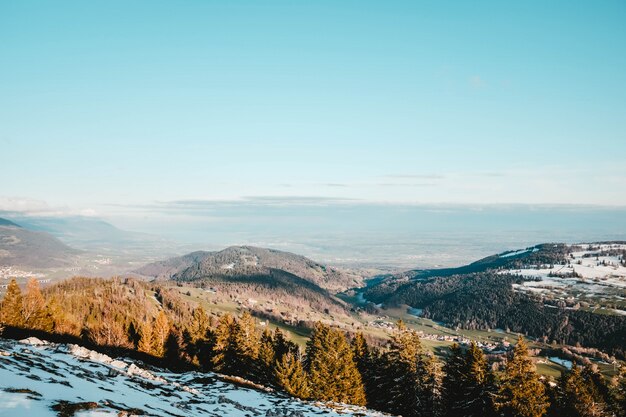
{"x":108,"y":107}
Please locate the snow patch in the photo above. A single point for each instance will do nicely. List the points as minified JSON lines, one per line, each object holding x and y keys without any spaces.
{"x":52,"y":373}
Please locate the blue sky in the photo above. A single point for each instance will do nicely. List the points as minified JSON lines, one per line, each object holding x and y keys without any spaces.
{"x":105,"y":104}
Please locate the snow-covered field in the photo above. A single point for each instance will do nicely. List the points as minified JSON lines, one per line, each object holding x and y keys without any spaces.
{"x":34,"y":376}
{"x":589,"y":273}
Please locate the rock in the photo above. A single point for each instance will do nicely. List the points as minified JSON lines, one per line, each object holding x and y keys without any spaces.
{"x":82,"y":352}
{"x":135,"y":370}
{"x":33,"y":341}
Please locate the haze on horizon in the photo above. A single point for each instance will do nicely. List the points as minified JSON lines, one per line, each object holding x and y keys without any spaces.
{"x":167,"y":117}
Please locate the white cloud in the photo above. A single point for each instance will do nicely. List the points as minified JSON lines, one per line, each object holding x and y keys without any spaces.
{"x":32,"y":207}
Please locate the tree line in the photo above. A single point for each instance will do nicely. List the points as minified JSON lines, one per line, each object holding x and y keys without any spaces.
{"x":400,"y":377}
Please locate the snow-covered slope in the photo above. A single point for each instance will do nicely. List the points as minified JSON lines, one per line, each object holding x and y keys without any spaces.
{"x":39,"y":379}
{"x":593,"y":271}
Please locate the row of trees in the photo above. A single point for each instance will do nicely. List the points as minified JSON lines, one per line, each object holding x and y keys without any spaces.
{"x":401,"y":377}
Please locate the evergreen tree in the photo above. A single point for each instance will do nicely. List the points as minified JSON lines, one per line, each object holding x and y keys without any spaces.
{"x":199,"y":326}
{"x":454,"y":392}
{"x":574,"y":397}
{"x":282,"y":345}
{"x":145,"y":338}
{"x":197,"y":336}
{"x":364,"y":363}
{"x":330,"y":363}
{"x":245,"y":345}
{"x":521,"y":392}
{"x":428,"y":378}
{"x":400,"y":381}
{"x":11,"y":309}
{"x":176,"y":350}
{"x":360,"y":350}
{"x":266,"y":359}
{"x":291,"y":377}
{"x":160,"y":333}
{"x":478,"y":387}
{"x":34,"y":307}
{"x":224,"y":355}
{"x":598,"y":388}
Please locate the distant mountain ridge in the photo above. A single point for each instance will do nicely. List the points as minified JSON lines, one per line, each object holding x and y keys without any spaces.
{"x":5,"y":222}
{"x":22,"y":247}
{"x":96,"y":235}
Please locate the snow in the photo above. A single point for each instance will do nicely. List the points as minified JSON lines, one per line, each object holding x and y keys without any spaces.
{"x":563,"y":362}
{"x":597,"y":275}
{"x":518,"y":252}
{"x":52,"y":372}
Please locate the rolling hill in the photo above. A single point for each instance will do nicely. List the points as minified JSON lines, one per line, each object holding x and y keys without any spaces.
{"x":27,"y":248}
{"x":274,"y":284}
{"x":237,"y":261}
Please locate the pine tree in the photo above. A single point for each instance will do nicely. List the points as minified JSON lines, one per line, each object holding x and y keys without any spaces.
{"x":266,"y":359}
{"x":282,"y":345}
{"x":245,"y":344}
{"x":400,"y":379}
{"x":454,"y":382}
{"x":576,"y":395}
{"x":521,"y":392}
{"x":330,"y":363}
{"x":33,"y":306}
{"x":176,"y":350}
{"x":360,"y":349}
{"x":378,"y":379}
{"x":291,"y":377}
{"x":199,"y":326}
{"x":223,"y":355}
{"x":145,"y":338}
{"x":598,"y":387}
{"x":11,"y":309}
{"x":160,"y":333}
{"x":479,"y":384}
{"x":196,"y":335}
{"x":362,"y":358}
{"x":428,"y":378}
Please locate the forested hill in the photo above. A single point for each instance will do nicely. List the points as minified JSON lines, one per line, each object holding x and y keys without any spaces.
{"x":267,"y":280}
{"x":251,"y":261}
{"x":546,"y":253}
{"x":564,"y":293}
